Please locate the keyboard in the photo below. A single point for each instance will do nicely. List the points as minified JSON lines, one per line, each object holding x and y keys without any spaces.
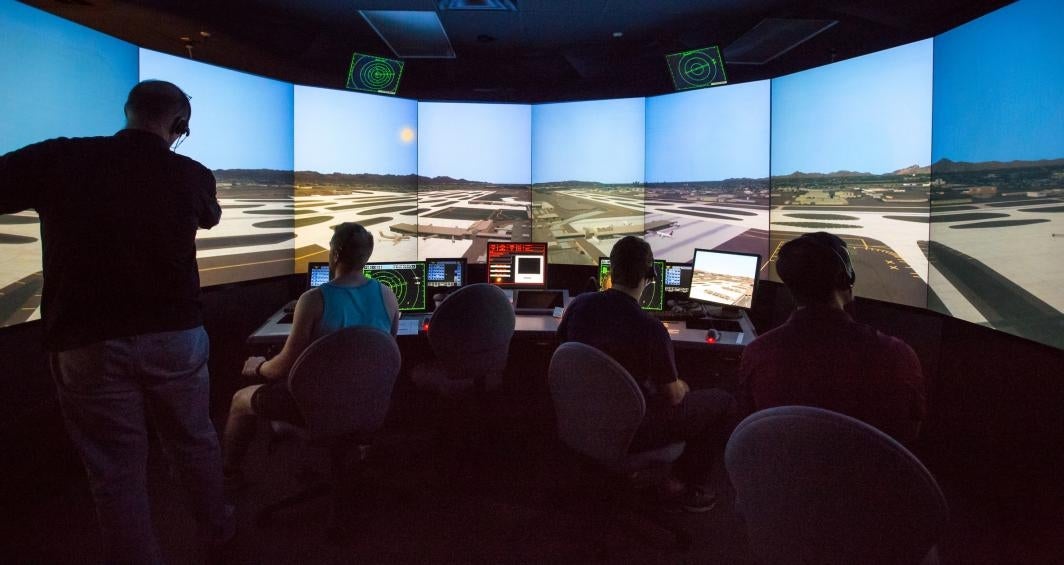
{"x":676,"y":316}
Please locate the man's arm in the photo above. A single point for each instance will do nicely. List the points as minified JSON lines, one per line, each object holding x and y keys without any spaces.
{"x":910,"y":374}
{"x":210,"y":210}
{"x":19,"y":171}
{"x":391,"y":305}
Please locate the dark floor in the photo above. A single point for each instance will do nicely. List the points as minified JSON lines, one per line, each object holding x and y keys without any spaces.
{"x":517,"y":504}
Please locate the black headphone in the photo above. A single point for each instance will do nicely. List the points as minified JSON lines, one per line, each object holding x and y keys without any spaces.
{"x":180,"y":123}
{"x":652,"y":275}
{"x":839,"y":250}
{"x":180,"y":127}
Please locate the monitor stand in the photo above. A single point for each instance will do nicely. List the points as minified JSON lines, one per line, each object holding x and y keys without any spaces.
{"x":723,"y":312}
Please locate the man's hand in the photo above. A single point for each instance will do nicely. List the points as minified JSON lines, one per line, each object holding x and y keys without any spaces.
{"x":675,"y":391}
{"x":251,"y":366}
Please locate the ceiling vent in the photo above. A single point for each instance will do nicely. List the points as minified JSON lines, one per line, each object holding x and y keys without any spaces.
{"x":411,"y":34}
{"x":771,"y":38}
{"x":478,"y":5}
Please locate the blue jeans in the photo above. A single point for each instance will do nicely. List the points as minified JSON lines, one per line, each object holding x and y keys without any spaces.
{"x":107,"y":391}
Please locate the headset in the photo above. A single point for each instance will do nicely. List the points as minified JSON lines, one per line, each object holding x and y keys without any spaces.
{"x":839,"y":251}
{"x":179,"y":126}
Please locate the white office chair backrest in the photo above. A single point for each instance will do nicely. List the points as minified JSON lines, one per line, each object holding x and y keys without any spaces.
{"x":342,"y":383}
{"x":471,"y":329}
{"x":598,"y":405}
{"x":816,"y":486}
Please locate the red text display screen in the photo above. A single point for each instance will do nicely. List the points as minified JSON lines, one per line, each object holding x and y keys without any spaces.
{"x":517,"y":264}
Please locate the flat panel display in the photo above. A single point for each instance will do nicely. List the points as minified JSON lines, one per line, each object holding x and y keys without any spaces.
{"x":355,"y":161}
{"x":997,"y":189}
{"x":445,"y":273}
{"x":677,"y":279}
{"x":242,"y":130}
{"x":724,"y":278}
{"x":587,"y":175}
{"x":474,"y":176}
{"x":707,"y":171}
{"x":41,"y":57}
{"x":514,"y":264}
{"x":851,"y":149}
{"x":653,"y":296}
{"x":318,"y":274}
{"x":406,"y":279}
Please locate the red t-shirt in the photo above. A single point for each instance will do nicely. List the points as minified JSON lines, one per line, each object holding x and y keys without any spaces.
{"x":821,"y":357}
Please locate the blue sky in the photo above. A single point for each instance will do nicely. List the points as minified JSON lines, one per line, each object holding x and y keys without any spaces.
{"x":239,"y":121}
{"x":709,"y":134}
{"x":869,"y":114}
{"x":599,"y":141}
{"x":351,"y":132}
{"x":998,"y":85}
{"x":480,"y":142}
{"x":59,"y":78}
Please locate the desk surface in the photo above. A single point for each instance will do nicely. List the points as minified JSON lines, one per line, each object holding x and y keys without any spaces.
{"x":274,"y":333}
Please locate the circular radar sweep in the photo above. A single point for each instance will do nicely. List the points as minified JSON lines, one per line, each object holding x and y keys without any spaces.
{"x":396,"y":282}
{"x":376,"y":74}
{"x":698,"y":67}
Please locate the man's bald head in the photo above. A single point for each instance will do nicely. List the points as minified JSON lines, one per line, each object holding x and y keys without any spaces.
{"x":157,"y":105}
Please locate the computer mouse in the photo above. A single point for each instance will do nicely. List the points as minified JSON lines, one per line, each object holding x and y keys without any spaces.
{"x":712,"y":336}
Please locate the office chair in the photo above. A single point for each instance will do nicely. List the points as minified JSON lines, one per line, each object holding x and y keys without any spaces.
{"x":469,"y":334}
{"x":599,"y":407}
{"x":342,"y":384}
{"x":816,"y":486}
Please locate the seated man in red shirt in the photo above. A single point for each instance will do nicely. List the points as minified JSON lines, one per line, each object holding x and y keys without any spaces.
{"x":612,"y":322}
{"x":821,"y":357}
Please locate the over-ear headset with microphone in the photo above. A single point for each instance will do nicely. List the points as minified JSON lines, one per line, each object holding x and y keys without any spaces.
{"x":839,"y":251}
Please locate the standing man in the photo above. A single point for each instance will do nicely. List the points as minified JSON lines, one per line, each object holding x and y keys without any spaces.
{"x":122,"y":318}
{"x":613,"y":322}
{"x":821,"y":357}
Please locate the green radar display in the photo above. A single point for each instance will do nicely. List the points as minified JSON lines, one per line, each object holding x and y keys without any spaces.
{"x":407,"y":281}
{"x":698,"y":68}
{"x":374,"y":74}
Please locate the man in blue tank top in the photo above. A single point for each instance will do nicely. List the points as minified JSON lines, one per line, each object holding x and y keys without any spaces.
{"x":349,"y":299}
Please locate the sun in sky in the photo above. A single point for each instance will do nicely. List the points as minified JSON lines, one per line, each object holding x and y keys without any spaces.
{"x":406,"y":135}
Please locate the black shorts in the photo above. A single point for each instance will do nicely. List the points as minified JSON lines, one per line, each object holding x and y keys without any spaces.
{"x":273,"y":401}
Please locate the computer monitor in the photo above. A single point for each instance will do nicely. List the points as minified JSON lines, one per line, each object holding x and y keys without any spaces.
{"x":677,"y":279}
{"x":407,"y":281}
{"x":725,"y":278}
{"x":317,"y":274}
{"x":446,"y":274}
{"x":514,"y":264}
{"x":653,"y":297}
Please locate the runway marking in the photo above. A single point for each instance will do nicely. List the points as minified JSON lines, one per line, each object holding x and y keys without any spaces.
{"x":260,"y":262}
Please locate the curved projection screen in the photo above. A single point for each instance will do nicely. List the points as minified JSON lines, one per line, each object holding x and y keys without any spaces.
{"x":969,"y":225}
{"x":42,"y":56}
{"x":851,"y":149}
{"x":356,"y":161}
{"x":587,"y":176}
{"x":242,"y":130}
{"x":707,"y":185}
{"x":997,"y":200}
{"x":474,"y":176}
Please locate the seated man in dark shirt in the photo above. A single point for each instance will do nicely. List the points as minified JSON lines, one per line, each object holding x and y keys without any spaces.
{"x":821,"y":357}
{"x":612,"y":322}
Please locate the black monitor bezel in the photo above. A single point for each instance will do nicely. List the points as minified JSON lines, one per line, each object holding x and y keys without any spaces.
{"x":662,"y":281}
{"x":753,"y":291}
{"x":517,"y":285}
{"x":310,"y":267}
{"x":465,"y":270}
{"x":424,"y":286}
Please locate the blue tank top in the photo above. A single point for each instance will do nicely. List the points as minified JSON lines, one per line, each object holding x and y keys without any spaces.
{"x":346,"y":306}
